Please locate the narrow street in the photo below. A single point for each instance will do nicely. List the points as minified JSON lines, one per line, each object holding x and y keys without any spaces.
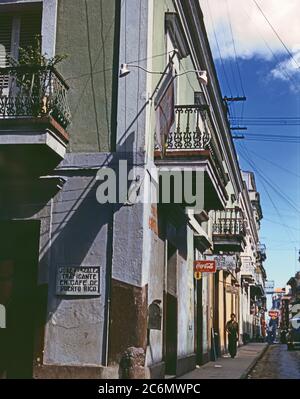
{"x":277,"y":363}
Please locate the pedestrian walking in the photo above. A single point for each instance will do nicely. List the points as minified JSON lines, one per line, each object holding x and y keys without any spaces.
{"x":232,"y":329}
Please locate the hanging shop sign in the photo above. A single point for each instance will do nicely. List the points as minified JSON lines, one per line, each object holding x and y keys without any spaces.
{"x":269,"y":287}
{"x":224,"y":262}
{"x":247,"y":266}
{"x":78,"y":280}
{"x":205,"y":266}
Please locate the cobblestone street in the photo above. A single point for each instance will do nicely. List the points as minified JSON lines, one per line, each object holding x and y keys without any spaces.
{"x":277,"y":363}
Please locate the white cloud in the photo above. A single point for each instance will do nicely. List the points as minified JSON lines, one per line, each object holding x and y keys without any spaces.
{"x":252,"y":35}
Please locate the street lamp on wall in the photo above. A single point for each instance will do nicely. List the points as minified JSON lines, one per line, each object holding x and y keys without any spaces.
{"x":125,"y":70}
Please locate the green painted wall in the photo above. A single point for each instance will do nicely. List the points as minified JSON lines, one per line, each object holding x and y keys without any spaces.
{"x":86,"y":32}
{"x":186,"y":84}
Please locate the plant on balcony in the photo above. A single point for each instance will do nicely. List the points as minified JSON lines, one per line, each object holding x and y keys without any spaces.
{"x":32,"y":83}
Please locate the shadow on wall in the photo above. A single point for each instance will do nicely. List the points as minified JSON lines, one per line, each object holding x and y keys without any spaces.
{"x":82,"y":235}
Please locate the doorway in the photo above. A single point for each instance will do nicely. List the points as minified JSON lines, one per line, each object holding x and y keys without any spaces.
{"x":199,"y":321}
{"x":19,"y":252}
{"x":171,"y":311}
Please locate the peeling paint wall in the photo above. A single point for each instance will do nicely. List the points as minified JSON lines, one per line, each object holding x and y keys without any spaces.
{"x":186,"y":299}
{"x":75,"y":333}
{"x":156,"y":292}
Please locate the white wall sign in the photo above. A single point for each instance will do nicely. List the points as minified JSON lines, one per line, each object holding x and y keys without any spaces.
{"x":247,"y":266}
{"x":269,"y":287}
{"x":78,"y":280}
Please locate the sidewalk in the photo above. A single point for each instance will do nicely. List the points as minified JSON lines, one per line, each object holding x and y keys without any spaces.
{"x":227,"y":368}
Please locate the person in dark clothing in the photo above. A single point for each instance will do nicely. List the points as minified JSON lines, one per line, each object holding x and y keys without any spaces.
{"x":232,"y":329}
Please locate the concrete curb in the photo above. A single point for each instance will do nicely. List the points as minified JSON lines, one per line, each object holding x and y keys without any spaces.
{"x":254,"y":362}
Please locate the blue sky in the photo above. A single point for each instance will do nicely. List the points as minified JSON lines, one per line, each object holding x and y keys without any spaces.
{"x":271,"y":82}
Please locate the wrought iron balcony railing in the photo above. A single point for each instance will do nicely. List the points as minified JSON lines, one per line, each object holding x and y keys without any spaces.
{"x":193,"y":132}
{"x":261,"y":250}
{"x":229,"y":222}
{"x":33,"y":91}
{"x":190,"y":132}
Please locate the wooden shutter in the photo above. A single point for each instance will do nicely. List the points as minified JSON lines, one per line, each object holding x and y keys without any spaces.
{"x":17,"y":30}
{"x":5,"y":39}
{"x":5,"y":46}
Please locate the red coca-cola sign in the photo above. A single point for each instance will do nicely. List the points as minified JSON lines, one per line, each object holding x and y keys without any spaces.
{"x":205,"y":266}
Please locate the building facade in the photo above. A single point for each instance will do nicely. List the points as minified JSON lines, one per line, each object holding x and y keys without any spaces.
{"x":113,"y":185}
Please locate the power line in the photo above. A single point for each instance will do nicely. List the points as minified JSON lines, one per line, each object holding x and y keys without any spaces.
{"x":264,"y":182}
{"x":275,"y":138}
{"x":271,"y":183}
{"x":230,"y":60}
{"x":277,"y":35}
{"x":274,"y":164}
{"x":265,"y":140}
{"x":287,"y":75}
{"x":285,"y":225}
{"x":236,"y":60}
{"x":234,"y":49}
{"x":266,"y":123}
{"x":268,"y":181}
{"x":218,"y":47}
{"x":271,"y":117}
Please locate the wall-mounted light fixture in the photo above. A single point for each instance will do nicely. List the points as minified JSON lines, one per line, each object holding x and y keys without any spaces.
{"x":125,"y":70}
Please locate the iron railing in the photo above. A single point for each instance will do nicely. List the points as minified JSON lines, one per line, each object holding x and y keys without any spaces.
{"x":190,"y":132}
{"x":33,"y":91}
{"x":262,"y":251}
{"x":193,"y":131}
{"x":229,"y":222}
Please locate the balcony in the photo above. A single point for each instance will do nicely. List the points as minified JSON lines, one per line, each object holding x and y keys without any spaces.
{"x":192,"y":143}
{"x":229,"y":230}
{"x":34,"y":115}
{"x":261,"y":252}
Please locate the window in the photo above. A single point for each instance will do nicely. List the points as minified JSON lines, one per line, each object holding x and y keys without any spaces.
{"x":17,"y":30}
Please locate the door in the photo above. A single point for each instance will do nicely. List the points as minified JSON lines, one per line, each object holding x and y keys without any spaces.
{"x":217,"y":338}
{"x":171,"y":312}
{"x":199,"y":321}
{"x":19,"y":248}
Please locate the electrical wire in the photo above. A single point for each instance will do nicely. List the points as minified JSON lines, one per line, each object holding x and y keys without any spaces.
{"x":276,"y":33}
{"x":263,"y":122}
{"x":236,"y":61}
{"x":268,"y":181}
{"x":273,"y":185}
{"x":229,"y":60}
{"x":234,"y":49}
{"x":219,"y":50}
{"x":285,"y":225}
{"x":274,"y":164}
{"x":272,"y":117}
{"x":264,"y":182}
{"x":274,"y":138}
{"x":287,"y":75}
{"x":265,"y":140}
